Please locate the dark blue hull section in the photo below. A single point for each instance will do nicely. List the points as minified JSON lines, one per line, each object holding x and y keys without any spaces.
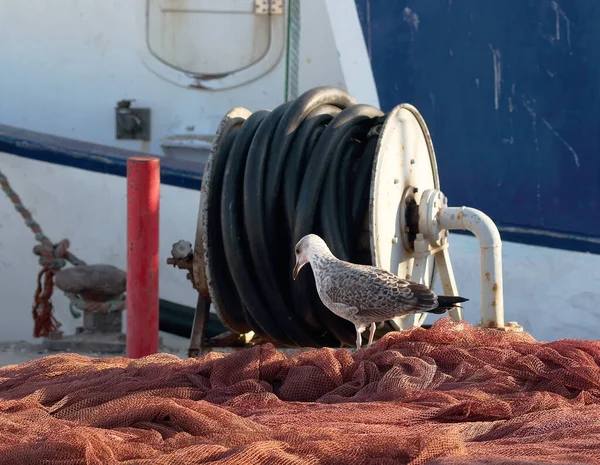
{"x":508,"y":89}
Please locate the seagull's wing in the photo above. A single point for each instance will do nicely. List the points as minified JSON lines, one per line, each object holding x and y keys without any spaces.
{"x":378,"y":294}
{"x":337,"y":306}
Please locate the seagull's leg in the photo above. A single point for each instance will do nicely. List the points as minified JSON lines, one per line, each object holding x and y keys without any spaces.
{"x":358,"y":339}
{"x":371,"y":334}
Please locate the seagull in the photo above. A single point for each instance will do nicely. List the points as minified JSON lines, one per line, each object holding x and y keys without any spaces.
{"x":362,"y":294}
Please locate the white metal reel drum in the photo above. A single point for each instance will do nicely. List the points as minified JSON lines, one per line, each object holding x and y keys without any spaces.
{"x":404,"y":167}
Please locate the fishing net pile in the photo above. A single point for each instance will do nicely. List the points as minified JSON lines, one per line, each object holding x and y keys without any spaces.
{"x":452,"y":394}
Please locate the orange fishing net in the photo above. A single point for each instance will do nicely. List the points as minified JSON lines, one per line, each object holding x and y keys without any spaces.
{"x":452,"y":394}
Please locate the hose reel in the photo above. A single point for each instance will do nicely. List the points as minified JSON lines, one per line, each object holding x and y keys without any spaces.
{"x":365,"y":181}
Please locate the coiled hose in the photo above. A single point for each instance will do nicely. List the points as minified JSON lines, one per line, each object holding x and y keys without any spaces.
{"x":304,"y":167}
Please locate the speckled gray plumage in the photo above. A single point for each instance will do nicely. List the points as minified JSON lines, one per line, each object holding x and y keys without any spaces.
{"x":361,"y":294}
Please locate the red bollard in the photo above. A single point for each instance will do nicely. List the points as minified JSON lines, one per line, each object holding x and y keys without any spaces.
{"x":143,"y":197}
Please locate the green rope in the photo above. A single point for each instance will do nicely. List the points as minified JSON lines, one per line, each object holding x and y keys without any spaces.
{"x":292,"y":50}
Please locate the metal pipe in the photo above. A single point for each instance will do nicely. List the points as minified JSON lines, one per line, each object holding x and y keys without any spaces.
{"x":143,"y":195}
{"x":490,"y":247}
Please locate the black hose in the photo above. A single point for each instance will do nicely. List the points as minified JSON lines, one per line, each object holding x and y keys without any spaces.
{"x":304,"y":167}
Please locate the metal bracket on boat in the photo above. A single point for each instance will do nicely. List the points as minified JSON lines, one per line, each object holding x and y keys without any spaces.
{"x":268,"y":7}
{"x":132,"y":123}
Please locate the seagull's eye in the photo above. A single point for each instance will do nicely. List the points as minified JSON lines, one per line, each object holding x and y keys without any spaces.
{"x":297,"y":251}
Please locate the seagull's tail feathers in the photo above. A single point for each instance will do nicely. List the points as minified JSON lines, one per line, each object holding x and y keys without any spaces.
{"x":446,"y":302}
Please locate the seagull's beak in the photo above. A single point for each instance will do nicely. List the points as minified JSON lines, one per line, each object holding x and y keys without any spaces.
{"x":299,"y":264}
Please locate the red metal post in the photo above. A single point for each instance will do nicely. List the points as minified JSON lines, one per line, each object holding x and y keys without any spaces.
{"x":143,"y":195}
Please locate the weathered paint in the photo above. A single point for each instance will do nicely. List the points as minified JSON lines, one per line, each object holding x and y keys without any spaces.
{"x":490,"y":258}
{"x":201,"y":277}
{"x":514,"y":116}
